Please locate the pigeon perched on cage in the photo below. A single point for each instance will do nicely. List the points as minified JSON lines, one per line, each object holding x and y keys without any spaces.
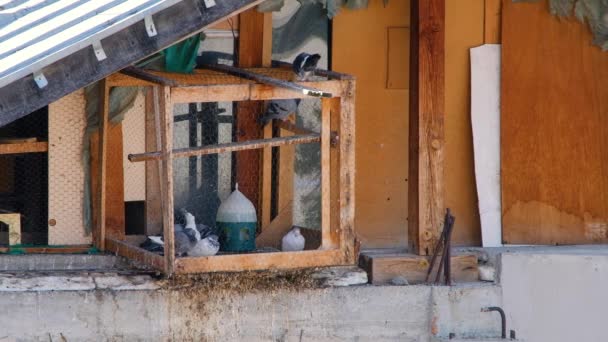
{"x":304,"y":65}
{"x":293,"y":241}
{"x":206,"y":246}
{"x":183,"y":239}
{"x":279,"y":109}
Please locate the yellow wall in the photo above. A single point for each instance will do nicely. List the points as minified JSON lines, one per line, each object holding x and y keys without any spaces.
{"x":360,"y":47}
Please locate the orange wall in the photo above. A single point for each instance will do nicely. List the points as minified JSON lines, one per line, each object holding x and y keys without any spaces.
{"x":360,"y":42}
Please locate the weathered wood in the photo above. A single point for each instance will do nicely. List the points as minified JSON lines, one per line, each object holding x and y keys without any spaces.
{"x":148,"y":77}
{"x":309,"y":91}
{"x":229,"y":147}
{"x":427,"y":139}
{"x":326,"y":240}
{"x":115,"y":183}
{"x":124,"y":48}
{"x":28,"y":147}
{"x":321,"y":72}
{"x":75,"y":249}
{"x":154,"y":217}
{"x":266,"y":195}
{"x":272,"y":234}
{"x":383,"y":267}
{"x":260,"y":261}
{"x":166,"y":137}
{"x":492,"y":21}
{"x":104,"y":108}
{"x":554,"y":131}
{"x":335,"y":172}
{"x":347,"y":172}
{"x":134,"y":253}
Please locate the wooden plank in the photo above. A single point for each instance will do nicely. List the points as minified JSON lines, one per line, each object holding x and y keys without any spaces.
{"x":492,"y":21}
{"x":335,"y":174}
{"x":148,"y":77}
{"x":427,"y":140}
{"x":166,"y":134}
{"x":104,"y":108}
{"x":75,"y":249}
{"x":381,"y":268}
{"x":260,"y":261}
{"x":553,"y":133}
{"x":326,"y":240}
{"x":254,"y":50}
{"x":128,"y":46}
{"x":134,"y":253}
{"x":321,"y":72}
{"x":229,"y":147}
{"x":273,"y":233}
{"x":266,"y":195}
{"x":27,"y":147}
{"x":347,"y":172}
{"x":119,"y":79}
{"x":154,"y":217}
{"x":115,"y":184}
{"x":274,"y":82}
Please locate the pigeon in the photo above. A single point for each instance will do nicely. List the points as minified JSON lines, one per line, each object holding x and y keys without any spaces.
{"x":293,"y":241}
{"x":183,"y":239}
{"x":206,"y":246}
{"x":279,"y":109}
{"x":190,"y":227}
{"x":304,"y":65}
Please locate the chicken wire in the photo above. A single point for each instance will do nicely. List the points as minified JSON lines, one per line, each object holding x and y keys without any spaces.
{"x":24,"y":179}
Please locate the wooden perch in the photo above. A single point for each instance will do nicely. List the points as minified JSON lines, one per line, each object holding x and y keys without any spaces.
{"x":229,"y":147}
{"x":267,"y":80}
{"x":321,"y":72}
{"x":149,"y":77}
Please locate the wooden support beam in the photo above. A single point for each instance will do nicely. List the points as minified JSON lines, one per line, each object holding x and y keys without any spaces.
{"x":28,"y":147}
{"x":266,"y":178}
{"x":298,"y":88}
{"x":228,"y":147}
{"x":148,"y":77}
{"x":104,"y":109}
{"x":347,"y":172}
{"x":426,"y":138}
{"x":166,"y":137}
{"x":126,"y":46}
{"x":326,"y":238}
{"x":134,"y":253}
{"x":154,"y":217}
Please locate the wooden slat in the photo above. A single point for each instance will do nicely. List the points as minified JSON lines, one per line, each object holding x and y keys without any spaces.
{"x":335,"y":173}
{"x":28,"y":147}
{"x":260,"y":261}
{"x":492,"y":21}
{"x":266,"y":195}
{"x":382,"y":268}
{"x":115,"y":184}
{"x":326,"y":240}
{"x":166,"y":133}
{"x":104,"y":108}
{"x":427,"y":140}
{"x":347,"y":172}
{"x":127,"y":46}
{"x":75,"y":249}
{"x":554,"y":129}
{"x":229,"y":147}
{"x":154,"y":217}
{"x":134,"y":253}
{"x":321,"y":72}
{"x":148,"y":77}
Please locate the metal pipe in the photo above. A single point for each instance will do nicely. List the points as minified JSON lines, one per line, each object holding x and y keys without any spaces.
{"x":503,"y":319}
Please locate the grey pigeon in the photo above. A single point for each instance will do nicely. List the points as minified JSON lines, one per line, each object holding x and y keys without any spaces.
{"x":279,"y":109}
{"x":305,"y":65}
{"x":293,"y":241}
{"x":184,"y":240}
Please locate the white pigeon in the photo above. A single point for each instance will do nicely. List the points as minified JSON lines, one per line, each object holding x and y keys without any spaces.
{"x":293,"y":241}
{"x":191,"y":224}
{"x":205,"y":247}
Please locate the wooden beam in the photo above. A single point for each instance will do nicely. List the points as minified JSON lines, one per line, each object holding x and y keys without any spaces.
{"x":426,"y":139}
{"x":28,"y":147}
{"x":326,"y":238}
{"x":383,"y":267}
{"x":104,"y":109}
{"x":75,"y":249}
{"x":254,"y":49}
{"x":266,"y":178}
{"x":347,"y":172}
{"x":166,"y":137}
{"x":246,"y":74}
{"x":134,"y":253}
{"x":228,"y":147}
{"x":148,"y":77}
{"x":154,"y":217}
{"x":260,"y":261}
{"x":123,"y":48}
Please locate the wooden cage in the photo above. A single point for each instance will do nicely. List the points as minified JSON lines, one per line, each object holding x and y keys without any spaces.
{"x":222,"y":83}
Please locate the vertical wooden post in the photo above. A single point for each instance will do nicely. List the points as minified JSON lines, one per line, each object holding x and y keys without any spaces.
{"x":166,"y":130}
{"x":154,"y":217}
{"x":104,"y":108}
{"x":426,"y":183}
{"x":347,"y":172}
{"x":326,"y":241}
{"x":254,"y":50}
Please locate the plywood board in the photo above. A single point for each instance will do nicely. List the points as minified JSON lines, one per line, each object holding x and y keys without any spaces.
{"x":485,"y":120}
{"x":66,"y":172}
{"x":554,"y":129}
{"x":134,"y":141}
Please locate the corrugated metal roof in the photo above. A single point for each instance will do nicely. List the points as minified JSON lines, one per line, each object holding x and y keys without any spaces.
{"x":36,"y":33}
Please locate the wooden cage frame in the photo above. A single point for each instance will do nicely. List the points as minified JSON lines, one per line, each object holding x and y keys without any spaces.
{"x":219,"y":83}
